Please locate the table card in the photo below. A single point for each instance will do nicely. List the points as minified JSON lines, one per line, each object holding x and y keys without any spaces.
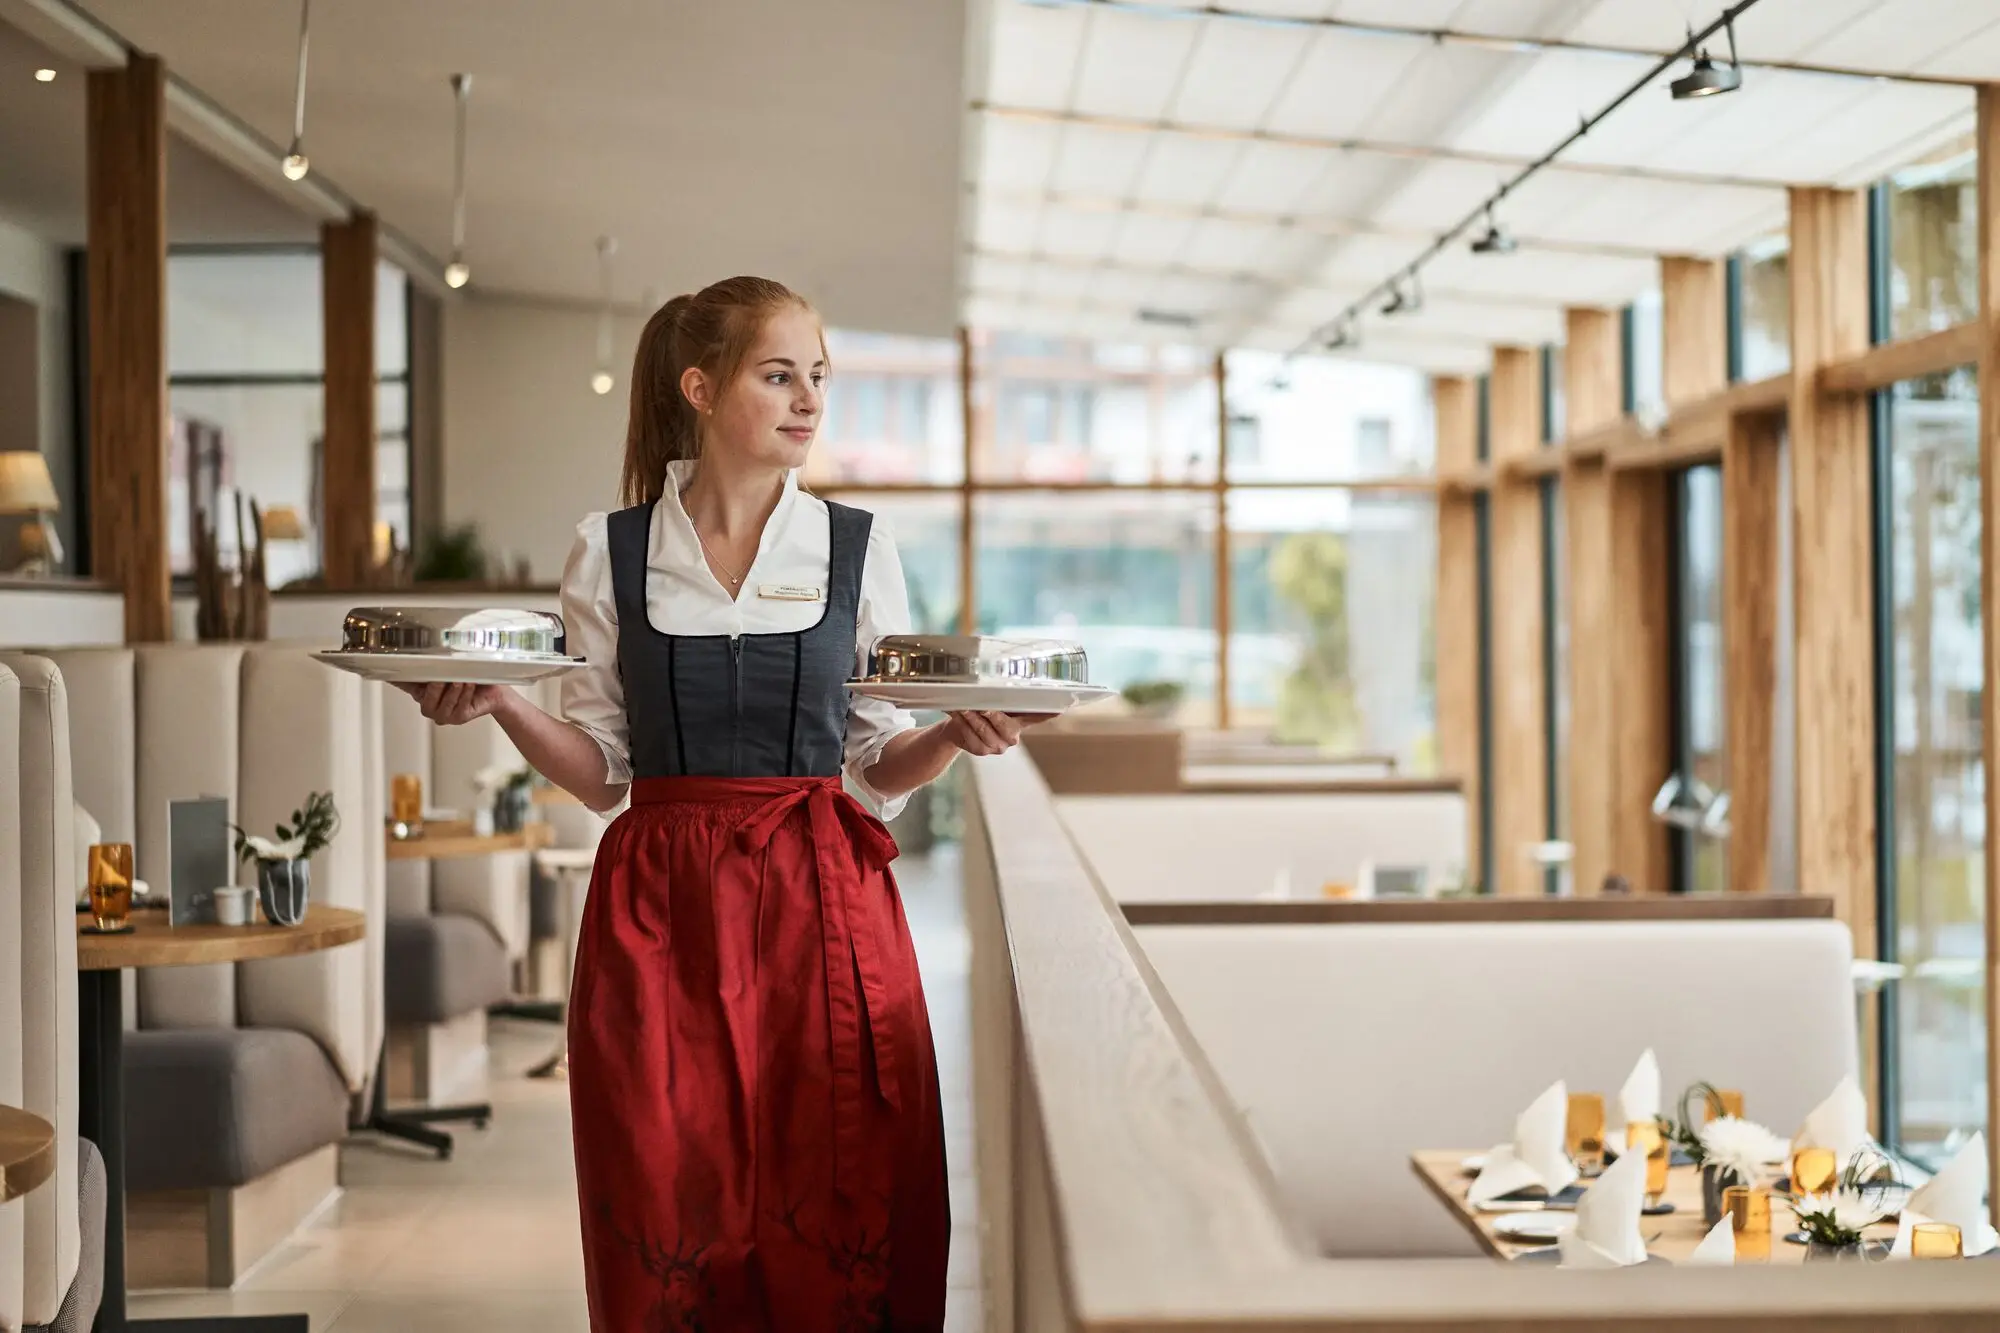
{"x":1840,"y":1123}
{"x":1536,"y":1157}
{"x":197,"y":858}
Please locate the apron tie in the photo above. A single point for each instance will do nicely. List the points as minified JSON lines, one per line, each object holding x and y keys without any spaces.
{"x":847,"y":841}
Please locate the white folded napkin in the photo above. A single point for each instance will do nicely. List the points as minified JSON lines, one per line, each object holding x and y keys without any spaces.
{"x":1281,"y":887}
{"x":1606,"y":1234}
{"x":1956,"y":1195}
{"x":1537,"y":1156}
{"x":1717,"y":1248}
{"x":1840,"y":1123}
{"x":1639,"y":1099}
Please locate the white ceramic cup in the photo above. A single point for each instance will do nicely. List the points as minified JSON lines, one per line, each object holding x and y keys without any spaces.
{"x":232,"y":906}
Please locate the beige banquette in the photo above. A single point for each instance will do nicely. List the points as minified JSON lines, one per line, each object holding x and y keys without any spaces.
{"x":241,"y":1079}
{"x":1174,"y":1127}
{"x":51,"y":1241}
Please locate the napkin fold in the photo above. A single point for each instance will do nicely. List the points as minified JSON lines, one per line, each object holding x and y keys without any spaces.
{"x":1956,"y":1195}
{"x":1639,"y":1099}
{"x":1538,"y":1156}
{"x":1840,"y":1123}
{"x":1281,"y":887}
{"x":1717,"y":1248}
{"x":1606,"y":1234}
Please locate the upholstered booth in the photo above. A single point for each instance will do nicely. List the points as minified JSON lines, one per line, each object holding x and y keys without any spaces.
{"x":241,"y":1079}
{"x":61,"y":1225}
{"x":1348,"y":1047}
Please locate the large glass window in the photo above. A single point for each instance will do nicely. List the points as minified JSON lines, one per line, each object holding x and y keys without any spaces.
{"x":1700,"y":711}
{"x":1319,"y":419}
{"x":1331,"y":597}
{"x":1763,"y":277}
{"x":1058,"y":411}
{"x":926,"y":529}
{"x":1933,"y":270}
{"x":893,"y":413}
{"x":1939,"y":783}
{"x":1645,"y":356}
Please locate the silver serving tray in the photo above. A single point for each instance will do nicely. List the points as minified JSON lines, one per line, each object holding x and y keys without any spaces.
{"x":961,"y":659}
{"x":496,"y":632}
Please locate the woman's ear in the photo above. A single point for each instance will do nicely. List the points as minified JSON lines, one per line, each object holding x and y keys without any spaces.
{"x":694,"y":387}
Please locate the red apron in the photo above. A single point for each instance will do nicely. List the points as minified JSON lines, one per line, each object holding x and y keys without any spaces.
{"x":753,"y":1086}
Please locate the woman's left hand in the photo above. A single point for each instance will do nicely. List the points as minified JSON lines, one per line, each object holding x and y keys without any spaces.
{"x":984,"y":733}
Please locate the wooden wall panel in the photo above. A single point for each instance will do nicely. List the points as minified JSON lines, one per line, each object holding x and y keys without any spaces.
{"x":1456,"y":614}
{"x":1750,"y":529}
{"x":1591,"y":393}
{"x":1832,"y":576}
{"x":347,"y":454}
{"x":1520,"y":671}
{"x":127,"y":267}
{"x":1694,"y":330}
{"x":1641,"y":667}
{"x":1988,"y":235}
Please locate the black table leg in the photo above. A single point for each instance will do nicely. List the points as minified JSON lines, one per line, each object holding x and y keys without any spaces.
{"x":101,"y":1119}
{"x":412,"y":1126}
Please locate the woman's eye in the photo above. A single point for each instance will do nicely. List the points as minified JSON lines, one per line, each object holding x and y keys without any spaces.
{"x":780,"y":377}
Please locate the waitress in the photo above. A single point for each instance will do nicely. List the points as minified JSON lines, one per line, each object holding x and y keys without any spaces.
{"x":753,"y":1086}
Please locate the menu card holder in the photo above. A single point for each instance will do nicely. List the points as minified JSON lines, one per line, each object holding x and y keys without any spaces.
{"x":198,"y":859}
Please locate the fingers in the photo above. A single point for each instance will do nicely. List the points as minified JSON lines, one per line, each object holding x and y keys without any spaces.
{"x":985,"y":733}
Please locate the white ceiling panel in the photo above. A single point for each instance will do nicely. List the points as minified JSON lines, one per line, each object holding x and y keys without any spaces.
{"x":1237,"y":247}
{"x":1437,"y":195}
{"x":1652,"y":215}
{"x":1237,"y":72}
{"x":1005,"y":224}
{"x":1275,"y":178}
{"x":1076,"y":234}
{"x":1904,"y":35}
{"x":1412,"y":13}
{"x":1545,"y":99}
{"x":1977,"y":56}
{"x":999,"y":274}
{"x":1361,"y":260}
{"x":1098,"y":161}
{"x":1151,"y":240}
{"x":1017,"y":155}
{"x":1353,"y":185}
{"x":1132,"y":63}
{"x":1340,"y":83}
{"x":1543,"y":276}
{"x":1183,"y":169}
{"x":1035,"y":50}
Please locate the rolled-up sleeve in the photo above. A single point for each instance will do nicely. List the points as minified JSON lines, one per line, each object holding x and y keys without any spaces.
{"x":872,"y":723}
{"x":593,"y":696}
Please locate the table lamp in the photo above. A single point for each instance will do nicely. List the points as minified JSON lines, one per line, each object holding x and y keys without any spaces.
{"x":26,"y":488}
{"x":283,"y":524}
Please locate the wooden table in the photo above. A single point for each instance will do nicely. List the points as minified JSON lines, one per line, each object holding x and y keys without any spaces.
{"x":447,"y":839}
{"x":1672,"y":1236}
{"x":101,"y":960}
{"x":27,"y":1152}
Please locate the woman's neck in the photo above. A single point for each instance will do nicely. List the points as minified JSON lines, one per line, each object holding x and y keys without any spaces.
{"x":732,"y":503}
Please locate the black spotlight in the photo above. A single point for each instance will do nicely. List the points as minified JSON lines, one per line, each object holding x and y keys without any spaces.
{"x":1344,"y":337}
{"x":1495,"y":240}
{"x":1404,"y":300}
{"x":1707,"y":78}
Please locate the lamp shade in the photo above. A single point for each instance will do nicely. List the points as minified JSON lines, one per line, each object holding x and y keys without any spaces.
{"x":25,"y":485}
{"x":282,"y":524}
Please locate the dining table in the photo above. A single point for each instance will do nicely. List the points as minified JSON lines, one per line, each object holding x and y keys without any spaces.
{"x":27,"y":1152}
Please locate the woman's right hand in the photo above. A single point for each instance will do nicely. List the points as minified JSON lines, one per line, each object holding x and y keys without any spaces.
{"x":455,"y":704}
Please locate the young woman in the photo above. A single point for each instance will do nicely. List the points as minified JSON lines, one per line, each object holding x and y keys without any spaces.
{"x":758,"y":1140}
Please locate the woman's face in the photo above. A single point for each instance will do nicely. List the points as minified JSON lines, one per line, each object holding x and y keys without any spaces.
{"x":771,"y":412}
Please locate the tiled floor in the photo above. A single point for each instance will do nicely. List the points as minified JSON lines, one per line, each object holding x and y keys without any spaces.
{"x":488,"y":1241}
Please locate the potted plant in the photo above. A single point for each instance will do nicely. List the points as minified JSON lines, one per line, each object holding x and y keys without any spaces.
{"x":1727,"y":1150}
{"x":503,"y":799}
{"x":284,"y":862}
{"x":1155,"y":699}
{"x":1833,"y":1222}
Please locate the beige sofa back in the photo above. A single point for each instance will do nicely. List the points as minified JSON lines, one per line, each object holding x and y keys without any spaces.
{"x":47,"y":1024}
{"x":1350,"y":1047}
{"x":1233,"y":847}
{"x":261,"y":726}
{"x":13,"y":1216}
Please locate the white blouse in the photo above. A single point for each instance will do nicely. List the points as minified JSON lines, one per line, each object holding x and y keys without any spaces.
{"x":683,"y":597}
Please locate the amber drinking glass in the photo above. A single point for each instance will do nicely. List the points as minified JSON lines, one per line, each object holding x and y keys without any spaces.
{"x":110,"y":881}
{"x":406,"y":801}
{"x":1936,"y":1240}
{"x":1814,"y":1170}
{"x":1730,"y":1101}
{"x":1586,"y":1128}
{"x":1644,"y":1136}
{"x":1749,"y":1212}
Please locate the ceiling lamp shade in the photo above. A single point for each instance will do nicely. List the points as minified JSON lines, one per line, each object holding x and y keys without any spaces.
{"x":1706,"y":78}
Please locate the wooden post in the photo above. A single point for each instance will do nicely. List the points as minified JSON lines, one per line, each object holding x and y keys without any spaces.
{"x":1455,"y":401}
{"x":1751,"y":454}
{"x":968,"y":614}
{"x":347,"y":453}
{"x":1224,"y":605}
{"x":1988,"y":239}
{"x":1832,"y":578}
{"x":127,"y":265}
{"x":1591,"y":369}
{"x":1519,"y":725}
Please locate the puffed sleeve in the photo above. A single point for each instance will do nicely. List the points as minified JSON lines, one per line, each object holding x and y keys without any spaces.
{"x":593,"y":697}
{"x":872,"y":723}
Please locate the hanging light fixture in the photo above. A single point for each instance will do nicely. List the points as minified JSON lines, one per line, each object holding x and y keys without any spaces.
{"x":1495,"y":240}
{"x":1345,"y":336}
{"x":602,"y":381}
{"x":1706,"y":78}
{"x":296,"y":165}
{"x":456,"y":274}
{"x":1405,"y":297}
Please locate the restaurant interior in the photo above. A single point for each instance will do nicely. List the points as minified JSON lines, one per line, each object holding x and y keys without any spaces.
{"x":1518,"y":468}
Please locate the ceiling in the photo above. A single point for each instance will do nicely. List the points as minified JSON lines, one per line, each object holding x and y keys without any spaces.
{"x":709,"y":139}
{"x":1243,"y":177}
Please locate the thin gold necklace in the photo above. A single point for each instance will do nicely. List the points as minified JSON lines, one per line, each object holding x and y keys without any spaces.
{"x":734,"y":578}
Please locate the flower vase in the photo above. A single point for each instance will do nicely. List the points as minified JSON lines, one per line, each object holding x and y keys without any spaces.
{"x":283,"y":888}
{"x":1819,"y":1252}
{"x":510,"y":810}
{"x":1712,"y":1183}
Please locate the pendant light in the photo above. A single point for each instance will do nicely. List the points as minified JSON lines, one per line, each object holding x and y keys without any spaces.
{"x":456,"y":274}
{"x":1495,"y":241}
{"x":1705,"y":78}
{"x":602,"y":381}
{"x":296,"y":165}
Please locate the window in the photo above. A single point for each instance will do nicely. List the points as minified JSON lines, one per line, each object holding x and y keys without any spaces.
{"x":1372,"y":452}
{"x":1555,"y":610}
{"x":926,"y":531}
{"x":1085,"y":412}
{"x":1937,"y":827}
{"x":1933,"y":268}
{"x":1321,"y":419}
{"x":1645,"y":350}
{"x":892,"y":412}
{"x":1761,"y":309}
{"x":1699,"y":701}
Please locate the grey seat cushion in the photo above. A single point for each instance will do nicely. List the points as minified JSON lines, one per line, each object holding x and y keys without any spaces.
{"x":442,"y":966}
{"x":86,"y":1290}
{"x":545,"y":906}
{"x":214,"y":1107}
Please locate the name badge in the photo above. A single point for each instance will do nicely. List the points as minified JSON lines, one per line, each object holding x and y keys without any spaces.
{"x":788,"y":592}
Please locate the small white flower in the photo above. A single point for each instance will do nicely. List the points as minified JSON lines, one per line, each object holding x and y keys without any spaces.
{"x":1740,"y":1147}
{"x":266,"y":850}
{"x":1851,"y":1210}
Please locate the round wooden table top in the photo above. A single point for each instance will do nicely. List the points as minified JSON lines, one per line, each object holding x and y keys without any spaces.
{"x":27,"y":1152}
{"x":154,"y":943}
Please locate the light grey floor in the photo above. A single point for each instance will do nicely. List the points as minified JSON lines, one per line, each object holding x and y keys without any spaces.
{"x":488,"y":1241}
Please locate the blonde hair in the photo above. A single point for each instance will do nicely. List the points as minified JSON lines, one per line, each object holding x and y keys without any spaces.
{"x":712,"y":331}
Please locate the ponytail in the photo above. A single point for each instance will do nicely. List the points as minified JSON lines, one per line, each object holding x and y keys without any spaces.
{"x":712,"y":331}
